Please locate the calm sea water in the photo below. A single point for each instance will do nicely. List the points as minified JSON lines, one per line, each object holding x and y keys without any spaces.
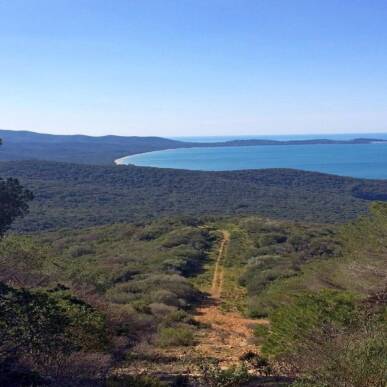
{"x":366,"y":160}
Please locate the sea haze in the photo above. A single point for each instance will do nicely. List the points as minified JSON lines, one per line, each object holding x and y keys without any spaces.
{"x":360,"y":160}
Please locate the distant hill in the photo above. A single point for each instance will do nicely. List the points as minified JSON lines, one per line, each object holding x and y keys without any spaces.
{"x":73,"y":195}
{"x":24,"y":145}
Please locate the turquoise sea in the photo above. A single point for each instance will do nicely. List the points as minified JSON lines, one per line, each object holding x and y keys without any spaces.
{"x":365,"y":160}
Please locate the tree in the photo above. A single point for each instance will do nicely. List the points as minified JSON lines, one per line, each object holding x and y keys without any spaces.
{"x":13,"y":202}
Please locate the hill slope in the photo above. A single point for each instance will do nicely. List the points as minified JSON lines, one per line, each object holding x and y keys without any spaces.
{"x":103,"y":150}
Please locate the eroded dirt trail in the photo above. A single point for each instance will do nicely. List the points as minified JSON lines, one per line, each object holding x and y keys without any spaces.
{"x":226,"y":337}
{"x":217,"y":280}
{"x":229,"y":333}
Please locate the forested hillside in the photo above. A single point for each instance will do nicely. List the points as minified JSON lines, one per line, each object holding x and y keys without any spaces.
{"x":22,"y":145}
{"x":73,"y":195}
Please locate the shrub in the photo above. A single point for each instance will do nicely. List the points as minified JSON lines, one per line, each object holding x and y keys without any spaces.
{"x":176,"y":317}
{"x":165,"y":297}
{"x":153,"y":231}
{"x":214,"y":376}
{"x":260,"y":364}
{"x":161,"y":310}
{"x":177,"y":336}
{"x":330,"y":339}
{"x":257,"y":308}
{"x":79,"y":251}
{"x":77,"y":369}
{"x":133,"y":381}
{"x":352,"y":357}
{"x":292,"y":324}
{"x":299,"y":241}
{"x":271,"y":239}
{"x":46,"y":329}
{"x":261,"y":332}
{"x":263,"y":270}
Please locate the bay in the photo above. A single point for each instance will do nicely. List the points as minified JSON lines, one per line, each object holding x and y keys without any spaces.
{"x":356,"y":160}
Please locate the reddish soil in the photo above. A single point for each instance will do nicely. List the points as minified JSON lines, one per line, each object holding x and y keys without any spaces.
{"x":229,"y":334}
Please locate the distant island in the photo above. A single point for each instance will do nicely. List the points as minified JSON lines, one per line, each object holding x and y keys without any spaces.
{"x":320,"y":141}
{"x":104,"y":150}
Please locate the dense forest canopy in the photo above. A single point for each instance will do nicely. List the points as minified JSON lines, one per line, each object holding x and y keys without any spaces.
{"x":73,"y":195}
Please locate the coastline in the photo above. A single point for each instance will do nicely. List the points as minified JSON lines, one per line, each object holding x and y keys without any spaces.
{"x":258,"y":142}
{"x":367,"y":162}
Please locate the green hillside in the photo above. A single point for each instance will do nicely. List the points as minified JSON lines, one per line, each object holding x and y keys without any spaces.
{"x":281,"y":259}
{"x":323,"y":290}
{"x":142,"y":284}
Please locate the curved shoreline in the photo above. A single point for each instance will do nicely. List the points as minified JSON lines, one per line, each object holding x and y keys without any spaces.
{"x":260,"y":142}
{"x":365,"y":162}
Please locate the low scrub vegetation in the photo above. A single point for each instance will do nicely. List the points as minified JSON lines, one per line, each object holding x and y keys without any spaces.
{"x":265,"y":252}
{"x":176,"y":336}
{"x":214,"y":376}
{"x":47,"y":335}
{"x":121,"y":285}
{"x":330,"y":339}
{"x":324,"y":291}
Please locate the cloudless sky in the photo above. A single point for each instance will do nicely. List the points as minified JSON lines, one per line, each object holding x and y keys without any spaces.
{"x":193,"y":67}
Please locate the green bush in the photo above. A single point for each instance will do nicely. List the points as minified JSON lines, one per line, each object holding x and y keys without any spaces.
{"x":263,"y":270}
{"x":260,"y":364}
{"x":177,"y":316}
{"x":330,"y":338}
{"x":133,"y":381}
{"x":153,"y":231}
{"x":353,"y":357}
{"x":261,"y":332}
{"x":79,"y":251}
{"x":256,"y":308}
{"x":176,"y":336}
{"x":213,"y":375}
{"x":46,"y":329}
{"x":271,"y":239}
{"x":294,"y":323}
{"x":165,"y":297}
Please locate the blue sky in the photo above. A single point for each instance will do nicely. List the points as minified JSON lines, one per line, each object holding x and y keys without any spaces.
{"x":193,"y":67}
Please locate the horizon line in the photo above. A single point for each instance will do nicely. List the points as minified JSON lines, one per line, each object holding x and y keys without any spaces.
{"x":198,"y":135}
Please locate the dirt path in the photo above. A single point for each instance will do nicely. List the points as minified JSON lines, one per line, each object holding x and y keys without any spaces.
{"x":226,"y":336}
{"x":217,"y":280}
{"x":229,"y":333}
